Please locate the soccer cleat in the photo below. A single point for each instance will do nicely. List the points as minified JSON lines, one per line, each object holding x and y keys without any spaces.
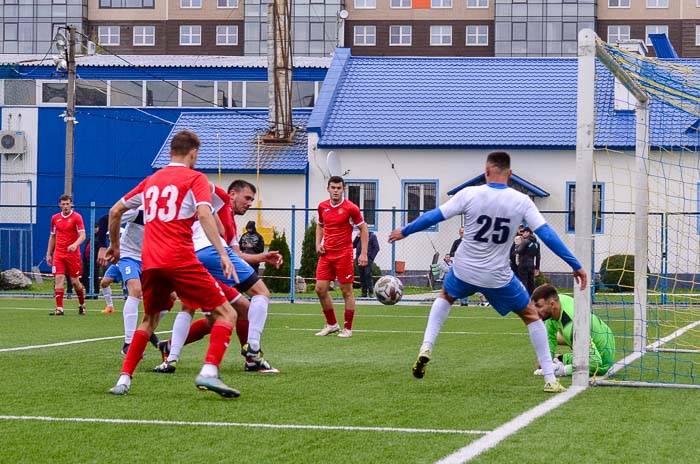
{"x":119,"y":390}
{"x":81,"y":310}
{"x":108,"y":310}
{"x":554,"y":386}
{"x":327,"y":330}
{"x":164,"y":348}
{"x":345,"y":333}
{"x":216,"y":385}
{"x":261,"y":366}
{"x":57,"y":312}
{"x":421,"y":363}
{"x":125,"y":348}
{"x":166,"y":367}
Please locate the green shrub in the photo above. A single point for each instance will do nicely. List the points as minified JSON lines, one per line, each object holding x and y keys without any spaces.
{"x":617,"y":273}
{"x":541,"y":280}
{"x":309,"y":257}
{"x":277,"y":280}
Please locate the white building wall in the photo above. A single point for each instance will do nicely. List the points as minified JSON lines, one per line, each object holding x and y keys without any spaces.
{"x":18,"y":180}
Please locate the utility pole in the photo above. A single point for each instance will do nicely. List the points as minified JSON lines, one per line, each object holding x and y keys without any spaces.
{"x":69,"y":116}
{"x":279,"y":71}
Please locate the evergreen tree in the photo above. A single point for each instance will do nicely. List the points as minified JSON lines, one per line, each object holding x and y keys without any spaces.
{"x":277,"y":280}
{"x":309,"y":257}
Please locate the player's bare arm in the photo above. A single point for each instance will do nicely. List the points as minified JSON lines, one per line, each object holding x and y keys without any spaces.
{"x":206,"y":219}
{"x":272,"y":257}
{"x":581,"y":278}
{"x":395,"y":235}
{"x":50,"y":249}
{"x":362,"y":260}
{"x":115,"y":219}
{"x":319,"y":239}
{"x":74,"y":246}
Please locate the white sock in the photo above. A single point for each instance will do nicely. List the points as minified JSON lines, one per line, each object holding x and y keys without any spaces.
{"x":124,"y":380}
{"x":107,"y":292}
{"x":131,"y":317}
{"x":438,"y":316}
{"x":209,"y":370}
{"x":257,"y":315}
{"x":538,"y":338}
{"x":181,"y":327}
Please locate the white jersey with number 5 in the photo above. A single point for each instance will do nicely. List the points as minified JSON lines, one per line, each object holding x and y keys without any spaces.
{"x":492,"y":214}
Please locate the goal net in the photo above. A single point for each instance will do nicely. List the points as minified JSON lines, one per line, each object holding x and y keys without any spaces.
{"x":645,"y":210}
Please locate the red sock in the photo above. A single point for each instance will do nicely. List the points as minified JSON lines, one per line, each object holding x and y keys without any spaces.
{"x":58,"y":294}
{"x":81,"y":296}
{"x":349,"y":315}
{"x":242,"y":331}
{"x":135,"y":353}
{"x":220,"y":337}
{"x":198,"y":330}
{"x":330,"y":316}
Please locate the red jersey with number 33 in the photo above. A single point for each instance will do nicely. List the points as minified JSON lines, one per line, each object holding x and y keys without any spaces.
{"x":170,"y":198}
{"x":337,"y":222}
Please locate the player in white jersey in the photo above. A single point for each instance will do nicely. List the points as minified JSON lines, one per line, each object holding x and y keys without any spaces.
{"x":481,"y":264}
{"x":129,"y":271}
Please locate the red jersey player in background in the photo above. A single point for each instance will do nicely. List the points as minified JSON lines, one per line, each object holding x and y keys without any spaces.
{"x":63,"y":253}
{"x":336,"y":217}
{"x":173,"y":198}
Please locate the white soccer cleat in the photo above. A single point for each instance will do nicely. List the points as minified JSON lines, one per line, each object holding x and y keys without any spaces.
{"x":345,"y":333}
{"x":327,"y":330}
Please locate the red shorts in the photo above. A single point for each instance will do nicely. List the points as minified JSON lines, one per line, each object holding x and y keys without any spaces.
{"x":67,"y":265}
{"x":230,"y":293}
{"x":194,"y":286}
{"x":336,"y":266}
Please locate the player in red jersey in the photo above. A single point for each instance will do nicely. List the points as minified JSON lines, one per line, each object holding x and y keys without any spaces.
{"x":336,"y":217}
{"x":63,"y":253}
{"x":173,"y":198}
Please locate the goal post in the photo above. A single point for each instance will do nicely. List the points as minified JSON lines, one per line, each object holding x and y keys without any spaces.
{"x":638,"y":141}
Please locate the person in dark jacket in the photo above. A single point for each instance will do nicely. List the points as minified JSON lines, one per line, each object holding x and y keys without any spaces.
{"x":528,"y":256}
{"x":456,"y":243}
{"x":252,"y":242}
{"x":366,"y":271}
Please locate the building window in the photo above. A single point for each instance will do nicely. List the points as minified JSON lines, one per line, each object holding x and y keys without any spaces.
{"x":477,"y":35}
{"x":400,"y":35}
{"x":618,"y":33}
{"x":90,"y":93}
{"x":226,"y":35}
{"x":108,"y":35}
{"x":144,"y":36}
{"x":618,"y":3}
{"x":162,"y":93}
{"x":54,"y":92}
{"x":303,"y":94}
{"x":20,"y":92}
{"x":126,"y":93}
{"x":655,"y":30}
{"x":697,"y":34}
{"x":190,"y":3}
{"x":657,"y":3}
{"x":440,"y":3}
{"x":127,"y":3}
{"x":440,"y":35}
{"x":227,"y":3}
{"x":191,"y":35}
{"x":197,"y":93}
{"x":364,"y":195}
{"x":359,"y":4}
{"x":477,"y":3}
{"x":400,"y":3}
{"x":418,"y":197}
{"x":598,"y":190}
{"x":365,"y":35}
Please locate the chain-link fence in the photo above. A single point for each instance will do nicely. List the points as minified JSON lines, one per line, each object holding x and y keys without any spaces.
{"x":673,"y":243}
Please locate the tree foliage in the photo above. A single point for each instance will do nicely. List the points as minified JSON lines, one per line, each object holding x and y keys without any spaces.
{"x":309,"y":257}
{"x":277,"y":280}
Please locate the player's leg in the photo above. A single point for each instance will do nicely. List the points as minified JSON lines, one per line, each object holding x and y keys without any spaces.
{"x":74,"y":268}
{"x":59,"y":274}
{"x":131,"y":310}
{"x":345,"y":271}
{"x":257,"y":315}
{"x":324,"y":276}
{"x":111,"y":275}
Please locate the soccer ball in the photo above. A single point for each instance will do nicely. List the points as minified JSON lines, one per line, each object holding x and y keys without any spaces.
{"x":388,"y":290}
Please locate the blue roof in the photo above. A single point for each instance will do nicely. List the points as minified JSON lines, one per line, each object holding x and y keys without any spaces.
{"x":474,"y":103}
{"x":229,"y":142}
{"x":663,"y":48}
{"x":514,"y":179}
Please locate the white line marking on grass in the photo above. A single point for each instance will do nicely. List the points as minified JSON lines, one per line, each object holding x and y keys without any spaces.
{"x":243,"y":424}
{"x":414,"y":332}
{"x":494,"y":437}
{"x":72,"y":342}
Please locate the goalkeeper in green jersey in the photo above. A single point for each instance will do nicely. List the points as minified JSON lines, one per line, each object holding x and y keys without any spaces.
{"x":557,"y":312}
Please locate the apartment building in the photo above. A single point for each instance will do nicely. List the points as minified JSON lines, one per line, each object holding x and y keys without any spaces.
{"x":369,"y":27}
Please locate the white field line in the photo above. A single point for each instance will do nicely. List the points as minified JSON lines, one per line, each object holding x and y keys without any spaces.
{"x":494,"y":437}
{"x":71,"y":342}
{"x":343,"y":428}
{"x":443,"y":332}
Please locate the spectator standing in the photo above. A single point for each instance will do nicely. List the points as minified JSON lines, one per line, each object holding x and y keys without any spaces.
{"x":366,"y":271}
{"x":456,"y":243}
{"x":252,"y":243}
{"x":528,"y":258}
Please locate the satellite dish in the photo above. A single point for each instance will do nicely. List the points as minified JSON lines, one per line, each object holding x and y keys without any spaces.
{"x":333,"y":164}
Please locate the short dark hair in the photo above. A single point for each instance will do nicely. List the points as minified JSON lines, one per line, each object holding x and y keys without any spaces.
{"x":500,"y":159}
{"x":183,"y":142}
{"x":336,"y":180}
{"x":65,"y":197}
{"x":240,"y":184}
{"x":545,"y":291}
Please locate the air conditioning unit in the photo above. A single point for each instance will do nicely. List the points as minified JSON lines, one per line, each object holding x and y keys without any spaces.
{"x":13,"y":142}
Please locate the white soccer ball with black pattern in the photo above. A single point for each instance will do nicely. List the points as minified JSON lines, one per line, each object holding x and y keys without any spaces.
{"x":388,"y":290}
